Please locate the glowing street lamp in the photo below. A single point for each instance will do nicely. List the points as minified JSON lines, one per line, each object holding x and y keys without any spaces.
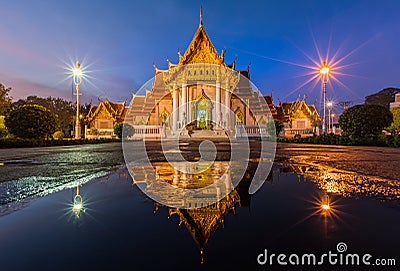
{"x":324,"y":72}
{"x":77,"y":76}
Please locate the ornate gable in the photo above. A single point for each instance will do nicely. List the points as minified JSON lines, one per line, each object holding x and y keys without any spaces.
{"x":300,"y":109}
{"x":201,"y":49}
{"x":103,"y":111}
{"x":203,"y":222}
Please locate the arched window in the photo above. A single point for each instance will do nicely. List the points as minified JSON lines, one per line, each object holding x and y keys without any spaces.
{"x":164,"y":118}
{"x":239,"y":116}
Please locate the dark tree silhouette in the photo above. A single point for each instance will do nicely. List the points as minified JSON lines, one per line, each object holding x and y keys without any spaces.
{"x":364,"y":120}
{"x":31,"y":121}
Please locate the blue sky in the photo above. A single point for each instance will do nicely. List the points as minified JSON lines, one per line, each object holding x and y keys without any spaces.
{"x":118,"y":42}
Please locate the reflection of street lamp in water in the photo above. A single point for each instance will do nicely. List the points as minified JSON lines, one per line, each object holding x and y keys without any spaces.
{"x":325,"y":203}
{"x":77,"y":207}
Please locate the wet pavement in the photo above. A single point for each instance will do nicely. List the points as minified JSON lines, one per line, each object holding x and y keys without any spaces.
{"x":380,"y":162}
{"x":26,"y":172}
{"x":314,"y":198}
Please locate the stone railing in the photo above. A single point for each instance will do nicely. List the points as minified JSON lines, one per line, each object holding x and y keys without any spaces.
{"x":294,"y":131}
{"x":250,"y":131}
{"x":147,"y":131}
{"x":101,"y":133}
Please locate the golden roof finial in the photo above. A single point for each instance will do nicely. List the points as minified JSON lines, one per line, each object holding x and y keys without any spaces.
{"x":201,"y":15}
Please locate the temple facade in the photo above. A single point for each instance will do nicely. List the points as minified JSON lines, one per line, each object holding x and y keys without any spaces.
{"x":298,"y":118}
{"x":102,"y":118}
{"x":200,"y":96}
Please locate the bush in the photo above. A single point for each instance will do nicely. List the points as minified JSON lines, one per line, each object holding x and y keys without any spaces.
{"x":123,"y":130}
{"x":29,"y":142}
{"x":31,"y":121}
{"x":59,"y":135}
{"x":365,"y":120}
{"x":94,"y":131}
{"x":274,"y":127}
{"x":3,"y":132}
{"x":297,"y":136}
{"x":331,"y":139}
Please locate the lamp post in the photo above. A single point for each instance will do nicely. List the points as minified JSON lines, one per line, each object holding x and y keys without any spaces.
{"x":329,"y":104}
{"x":77,"y":75}
{"x":324,"y":72}
{"x":77,"y":206}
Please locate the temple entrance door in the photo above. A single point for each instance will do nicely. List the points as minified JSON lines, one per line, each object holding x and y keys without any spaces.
{"x":239,"y":116}
{"x":201,"y":118}
{"x":202,"y":112}
{"x":164,"y":118}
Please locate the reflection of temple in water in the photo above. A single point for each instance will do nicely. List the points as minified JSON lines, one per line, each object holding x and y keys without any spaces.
{"x":203,"y":222}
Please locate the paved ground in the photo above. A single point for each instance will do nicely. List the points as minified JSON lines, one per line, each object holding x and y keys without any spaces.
{"x":371,"y":161}
{"x":30,"y":171}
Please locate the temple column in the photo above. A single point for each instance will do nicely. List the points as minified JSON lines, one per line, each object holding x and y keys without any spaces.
{"x":157,"y":117}
{"x":190,"y":105}
{"x":184,"y":103}
{"x":175,"y":110}
{"x":247,"y":116}
{"x":227,"y":113}
{"x":218,"y":102}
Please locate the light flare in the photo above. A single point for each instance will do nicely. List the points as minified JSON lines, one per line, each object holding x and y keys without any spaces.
{"x":325,"y":207}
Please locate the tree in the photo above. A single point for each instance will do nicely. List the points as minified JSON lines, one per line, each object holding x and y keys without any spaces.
{"x":31,"y":121}
{"x":59,"y":135}
{"x":364,"y":120}
{"x":64,"y":110}
{"x":123,"y":130}
{"x":5,"y":99}
{"x":396,"y":119}
{"x":275,"y":124}
{"x":3,"y":130}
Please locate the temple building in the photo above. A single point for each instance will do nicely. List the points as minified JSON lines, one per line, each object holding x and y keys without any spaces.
{"x":102,"y":118}
{"x":209,"y":97}
{"x":201,"y":96}
{"x":298,"y":118}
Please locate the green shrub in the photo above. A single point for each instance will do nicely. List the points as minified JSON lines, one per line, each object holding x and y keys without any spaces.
{"x":331,"y":139}
{"x":31,"y":121}
{"x":31,"y":142}
{"x":123,"y":130}
{"x":274,"y":127}
{"x":297,"y":137}
{"x":59,"y":135}
{"x":3,"y":132}
{"x":94,"y":131}
{"x":365,"y":120}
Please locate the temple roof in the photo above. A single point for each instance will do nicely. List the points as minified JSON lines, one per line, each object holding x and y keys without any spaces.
{"x":116,"y":111}
{"x":286,"y":111}
{"x":203,"y":222}
{"x":201,"y":49}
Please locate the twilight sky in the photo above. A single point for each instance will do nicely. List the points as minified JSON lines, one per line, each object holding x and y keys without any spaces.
{"x":118,"y":42}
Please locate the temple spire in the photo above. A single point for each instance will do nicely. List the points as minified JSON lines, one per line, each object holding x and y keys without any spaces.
{"x":201,"y":15}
